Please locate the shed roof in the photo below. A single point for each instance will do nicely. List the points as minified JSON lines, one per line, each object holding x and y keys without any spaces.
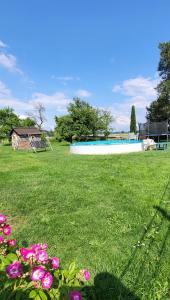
{"x":26,"y":130}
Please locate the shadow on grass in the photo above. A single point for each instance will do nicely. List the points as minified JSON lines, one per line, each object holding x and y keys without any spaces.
{"x":150,"y":252}
{"x":5,"y":144}
{"x":162,"y":211}
{"x":107,"y":286}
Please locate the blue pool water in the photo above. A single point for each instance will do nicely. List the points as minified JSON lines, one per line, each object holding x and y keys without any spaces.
{"x":108,"y":142}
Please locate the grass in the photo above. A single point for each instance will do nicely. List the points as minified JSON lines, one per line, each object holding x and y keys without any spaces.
{"x":108,"y":213}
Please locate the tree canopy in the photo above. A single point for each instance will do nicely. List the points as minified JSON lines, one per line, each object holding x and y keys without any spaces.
{"x":9,"y":120}
{"x":82,"y":120}
{"x":133,"y":120}
{"x":159,"y":110}
{"x":27,"y":122}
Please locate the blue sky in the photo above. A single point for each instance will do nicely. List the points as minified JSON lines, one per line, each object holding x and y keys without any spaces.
{"x":106,"y":52}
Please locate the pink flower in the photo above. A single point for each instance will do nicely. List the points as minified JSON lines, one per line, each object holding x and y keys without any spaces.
{"x":2,"y":218}
{"x":1,"y":239}
{"x":27,"y":253}
{"x":42,"y":256}
{"x":14,"y":270}
{"x":37,"y":273}
{"x":47,"y":281}
{"x":75,"y":295}
{"x":36,"y":247}
{"x":87,"y":275}
{"x":55,"y":263}
{"x":23,"y":251}
{"x":6,"y":229}
{"x":44,"y":246}
{"x":11,"y":243}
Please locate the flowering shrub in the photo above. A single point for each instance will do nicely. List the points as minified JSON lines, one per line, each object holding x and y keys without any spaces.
{"x":29,"y":273}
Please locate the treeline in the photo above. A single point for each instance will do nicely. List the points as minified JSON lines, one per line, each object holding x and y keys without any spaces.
{"x":159,"y":110}
{"x":9,"y":120}
{"x":81,"y":121}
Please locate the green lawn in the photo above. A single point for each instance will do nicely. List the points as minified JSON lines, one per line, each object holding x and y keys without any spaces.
{"x":108,"y":213}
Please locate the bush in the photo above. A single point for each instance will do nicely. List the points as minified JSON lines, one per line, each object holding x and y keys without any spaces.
{"x":29,"y":273}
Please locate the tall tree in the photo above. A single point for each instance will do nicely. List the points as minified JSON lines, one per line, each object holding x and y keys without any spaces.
{"x":84,"y":116}
{"x":159,"y":110}
{"x":82,"y":120}
{"x":8,"y":120}
{"x":105,"y":121}
{"x":133,"y":120}
{"x":64,"y":128}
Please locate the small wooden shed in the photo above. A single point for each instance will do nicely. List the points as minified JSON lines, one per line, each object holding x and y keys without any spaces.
{"x":23,"y":138}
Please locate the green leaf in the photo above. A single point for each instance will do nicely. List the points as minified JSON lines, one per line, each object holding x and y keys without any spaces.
{"x":12,"y":257}
{"x":32,"y":294}
{"x":29,"y":285}
{"x":57,"y":273}
{"x":6,"y":262}
{"x":42,"y":295}
{"x":72,"y":267}
{"x":9,"y":283}
{"x":37,"y":298}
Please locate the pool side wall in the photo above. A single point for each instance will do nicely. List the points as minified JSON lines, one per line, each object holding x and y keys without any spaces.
{"x":106,"y":149}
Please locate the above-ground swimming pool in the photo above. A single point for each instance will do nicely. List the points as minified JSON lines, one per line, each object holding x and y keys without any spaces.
{"x":107,"y":147}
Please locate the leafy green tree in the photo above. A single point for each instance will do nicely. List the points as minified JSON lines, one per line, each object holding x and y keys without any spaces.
{"x":159,"y":110}
{"x":82,"y":120}
{"x":8,"y":120}
{"x":64,"y":128}
{"x":105,"y":121}
{"x":28,"y":122}
{"x":84,"y":116}
{"x":133,"y":120}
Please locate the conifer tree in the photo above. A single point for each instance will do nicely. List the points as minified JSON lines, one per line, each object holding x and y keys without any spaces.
{"x":133,"y":120}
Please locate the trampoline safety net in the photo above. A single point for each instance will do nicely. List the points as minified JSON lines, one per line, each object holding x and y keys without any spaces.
{"x":153,"y":128}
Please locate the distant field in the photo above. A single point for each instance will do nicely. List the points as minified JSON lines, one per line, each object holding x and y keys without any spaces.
{"x":109,"y":213}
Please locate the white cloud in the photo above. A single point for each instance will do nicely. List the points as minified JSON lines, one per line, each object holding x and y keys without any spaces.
{"x":139,"y":86}
{"x":122,"y":120}
{"x":2,"y":45}
{"x":9,"y":62}
{"x":116,"y":88}
{"x":15,"y":104}
{"x":7,"y":99}
{"x":57,"y":100}
{"x":83,"y":93}
{"x":55,"y":103}
{"x":139,"y":91}
{"x":23,"y":117}
{"x":65,"y":79}
{"x":4,"y":91}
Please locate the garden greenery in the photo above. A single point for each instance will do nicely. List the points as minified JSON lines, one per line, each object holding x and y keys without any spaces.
{"x":81,"y":121}
{"x":29,"y":273}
